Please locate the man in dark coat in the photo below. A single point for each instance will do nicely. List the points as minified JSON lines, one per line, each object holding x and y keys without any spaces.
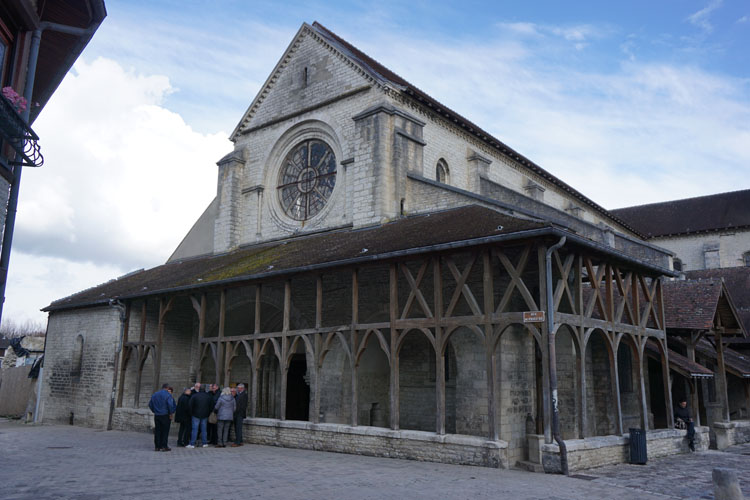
{"x":182,"y":417}
{"x":201,"y":405}
{"x":212,"y":434}
{"x":682,"y":412}
{"x":240,"y":413}
{"x":163,"y":406}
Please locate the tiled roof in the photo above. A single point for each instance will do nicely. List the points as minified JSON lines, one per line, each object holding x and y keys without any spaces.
{"x":691,"y":304}
{"x":736,"y":363}
{"x":465,"y":225}
{"x":737,"y":281}
{"x":678,"y":362}
{"x":384,"y":74}
{"x":691,"y":215}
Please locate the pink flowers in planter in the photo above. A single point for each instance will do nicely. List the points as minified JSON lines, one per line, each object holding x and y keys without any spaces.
{"x":18,"y":101}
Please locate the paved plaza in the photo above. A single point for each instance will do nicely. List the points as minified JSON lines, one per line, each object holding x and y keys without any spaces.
{"x":56,"y":462}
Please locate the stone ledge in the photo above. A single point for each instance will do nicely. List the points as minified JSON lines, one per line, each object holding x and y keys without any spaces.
{"x":359,"y":440}
{"x":731,"y":433}
{"x":607,"y":450}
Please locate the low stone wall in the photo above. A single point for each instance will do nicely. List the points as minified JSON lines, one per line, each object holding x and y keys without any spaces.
{"x":607,"y":450}
{"x":133,"y":419}
{"x":731,"y":433}
{"x":378,"y":442}
{"x":360,"y":440}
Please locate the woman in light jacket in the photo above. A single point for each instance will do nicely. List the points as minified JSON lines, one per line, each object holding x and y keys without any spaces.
{"x":225,"y":406}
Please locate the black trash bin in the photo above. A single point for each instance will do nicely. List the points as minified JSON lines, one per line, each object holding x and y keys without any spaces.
{"x":638,"y":453}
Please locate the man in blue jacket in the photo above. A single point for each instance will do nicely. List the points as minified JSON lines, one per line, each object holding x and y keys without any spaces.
{"x":163,"y":406}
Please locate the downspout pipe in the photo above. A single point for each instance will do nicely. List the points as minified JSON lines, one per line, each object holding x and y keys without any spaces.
{"x":28,"y":93}
{"x":552,"y":357}
{"x":118,"y":349}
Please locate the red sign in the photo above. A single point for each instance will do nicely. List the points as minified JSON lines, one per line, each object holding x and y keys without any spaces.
{"x":533,"y":317}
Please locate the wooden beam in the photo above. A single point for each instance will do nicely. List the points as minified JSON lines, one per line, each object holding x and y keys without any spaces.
{"x":640,"y":343}
{"x":615,"y":378}
{"x":393,"y":310}
{"x":439,"y":352}
{"x":124,"y":356}
{"x":354,"y":344}
{"x":722,"y":369}
{"x":318,"y":301}
{"x":544,"y":347}
{"x":489,"y":343}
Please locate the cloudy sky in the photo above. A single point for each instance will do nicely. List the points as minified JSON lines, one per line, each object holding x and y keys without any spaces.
{"x":630,"y":102}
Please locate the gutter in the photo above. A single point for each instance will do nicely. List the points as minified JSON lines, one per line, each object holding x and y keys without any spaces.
{"x":552,"y":357}
{"x":531,"y":233}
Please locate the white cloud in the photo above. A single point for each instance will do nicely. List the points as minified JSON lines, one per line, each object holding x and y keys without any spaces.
{"x":701,"y":18}
{"x":634,"y":134}
{"x":124,"y":180}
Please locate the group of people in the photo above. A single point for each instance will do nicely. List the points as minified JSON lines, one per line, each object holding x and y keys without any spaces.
{"x":212,"y":414}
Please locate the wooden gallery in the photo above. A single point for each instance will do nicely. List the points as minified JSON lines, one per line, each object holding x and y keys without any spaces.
{"x":388,"y":279}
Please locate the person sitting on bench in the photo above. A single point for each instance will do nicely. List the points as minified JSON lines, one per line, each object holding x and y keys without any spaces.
{"x":683,"y":420}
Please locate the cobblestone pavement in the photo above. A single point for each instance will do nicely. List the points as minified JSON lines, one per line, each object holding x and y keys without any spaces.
{"x":57,"y":462}
{"x":682,"y":476}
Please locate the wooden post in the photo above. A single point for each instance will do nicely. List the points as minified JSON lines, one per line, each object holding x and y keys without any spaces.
{"x":124,"y":356}
{"x":694,"y":398}
{"x":393,"y":311}
{"x":581,"y":396}
{"x":489,"y":344}
{"x":318,"y":341}
{"x":547,"y":396}
{"x":219,"y":365}
{"x":615,"y":378}
{"x":437,"y":279}
{"x":142,"y":351}
{"x":667,"y":385}
{"x":722,"y":374}
{"x":642,"y":383}
{"x":354,"y":348}
{"x":580,"y":309}
{"x":284,"y":361}
{"x":255,"y":380}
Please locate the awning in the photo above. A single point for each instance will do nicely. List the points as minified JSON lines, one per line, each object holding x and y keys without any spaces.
{"x":679,"y":363}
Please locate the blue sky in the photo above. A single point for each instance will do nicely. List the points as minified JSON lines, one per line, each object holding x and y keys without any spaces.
{"x":629,"y":102}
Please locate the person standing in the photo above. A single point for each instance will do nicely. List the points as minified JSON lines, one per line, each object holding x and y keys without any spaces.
{"x":201,"y":405}
{"x":182,"y":417}
{"x":163,"y":407}
{"x":682,"y":412}
{"x":215,"y":393}
{"x":240,"y":413}
{"x":225,"y":406}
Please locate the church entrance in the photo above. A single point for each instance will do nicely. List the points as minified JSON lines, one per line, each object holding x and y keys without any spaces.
{"x":297,"y":390}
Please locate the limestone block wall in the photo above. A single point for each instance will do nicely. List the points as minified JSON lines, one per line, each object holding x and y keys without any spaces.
{"x":690,"y":248}
{"x":731,"y":433}
{"x":517,"y":389}
{"x":607,"y":450}
{"x":86,"y":393}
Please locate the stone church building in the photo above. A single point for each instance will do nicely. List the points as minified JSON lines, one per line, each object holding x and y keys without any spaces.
{"x":388,"y":279}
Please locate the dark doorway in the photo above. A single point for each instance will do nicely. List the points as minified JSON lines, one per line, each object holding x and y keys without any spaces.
{"x":656,"y":388}
{"x":297,"y":390}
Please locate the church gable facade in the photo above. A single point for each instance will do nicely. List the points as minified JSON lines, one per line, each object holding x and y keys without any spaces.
{"x":385,"y":277}
{"x":387,"y":153}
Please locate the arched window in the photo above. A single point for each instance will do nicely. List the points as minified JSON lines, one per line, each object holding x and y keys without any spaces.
{"x":77,"y":359}
{"x":746,"y":258}
{"x":677,"y":264}
{"x":442,"y":173}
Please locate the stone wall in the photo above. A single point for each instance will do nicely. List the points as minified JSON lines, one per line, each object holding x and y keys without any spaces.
{"x":607,"y":450}
{"x":361,"y":440}
{"x":79,"y":365}
{"x":731,"y":433}
{"x":724,"y":249}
